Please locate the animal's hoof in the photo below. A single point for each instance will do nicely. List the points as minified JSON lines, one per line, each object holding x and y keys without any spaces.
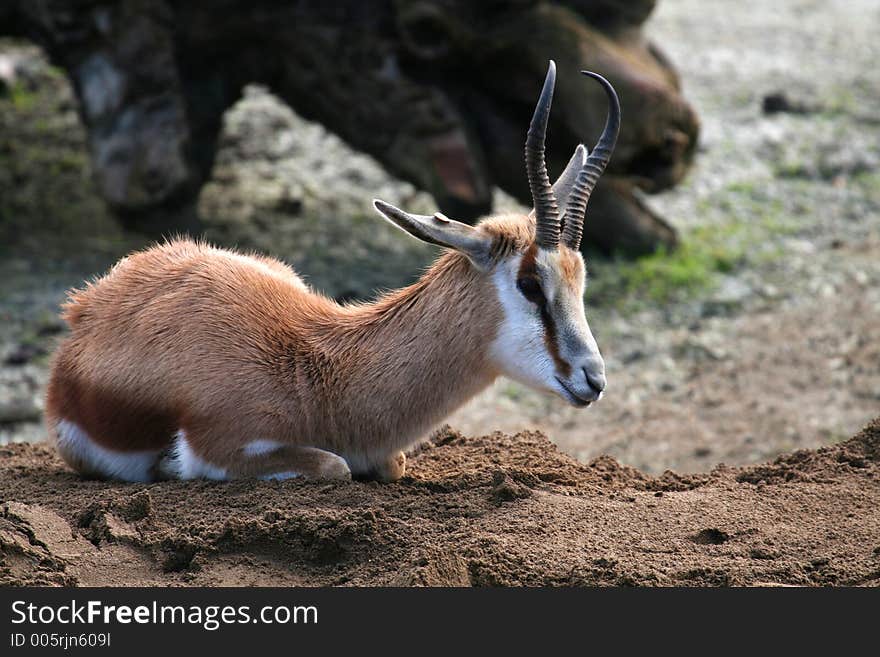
{"x":393,"y":469}
{"x":336,"y":469}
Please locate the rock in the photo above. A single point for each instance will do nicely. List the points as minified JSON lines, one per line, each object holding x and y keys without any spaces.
{"x":779,"y":101}
{"x":19,"y":409}
{"x":19,"y":68}
{"x":705,"y":346}
{"x":7,"y":72}
{"x":732,"y":292}
{"x":24,"y":353}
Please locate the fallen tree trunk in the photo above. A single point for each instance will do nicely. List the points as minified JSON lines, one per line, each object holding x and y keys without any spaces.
{"x":439,"y":91}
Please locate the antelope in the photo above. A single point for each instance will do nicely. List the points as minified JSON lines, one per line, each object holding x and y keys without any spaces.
{"x":190,"y":361}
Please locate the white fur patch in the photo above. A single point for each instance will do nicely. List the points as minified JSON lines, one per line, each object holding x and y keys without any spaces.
{"x":126,"y":466}
{"x":518,"y":349}
{"x":182,"y":462}
{"x":260,"y":446}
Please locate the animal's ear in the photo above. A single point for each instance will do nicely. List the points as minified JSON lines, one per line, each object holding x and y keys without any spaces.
{"x":439,"y":229}
{"x":565,"y":182}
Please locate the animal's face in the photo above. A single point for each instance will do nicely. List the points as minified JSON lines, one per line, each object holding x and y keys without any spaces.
{"x":545,"y":340}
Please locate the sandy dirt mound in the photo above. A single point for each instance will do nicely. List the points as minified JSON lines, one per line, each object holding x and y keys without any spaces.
{"x":496,"y":510}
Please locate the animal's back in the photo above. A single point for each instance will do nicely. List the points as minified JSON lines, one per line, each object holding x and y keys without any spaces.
{"x":156,"y":342}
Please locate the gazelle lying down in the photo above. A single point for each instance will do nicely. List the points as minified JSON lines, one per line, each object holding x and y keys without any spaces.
{"x":188,"y":361}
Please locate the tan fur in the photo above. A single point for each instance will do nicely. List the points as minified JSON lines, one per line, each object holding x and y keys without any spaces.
{"x":232,"y":348}
{"x":571,"y":267}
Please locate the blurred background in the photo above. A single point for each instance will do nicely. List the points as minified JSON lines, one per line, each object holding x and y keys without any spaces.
{"x":733,"y":246}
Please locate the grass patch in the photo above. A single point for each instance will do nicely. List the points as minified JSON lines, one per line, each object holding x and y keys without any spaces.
{"x":688,"y":270}
{"x":747,"y":224}
{"x":793,"y":168}
{"x":869,"y":181}
{"x":664,"y":276}
{"x":839,"y":101}
{"x":512,"y":391}
{"x":23,"y":99}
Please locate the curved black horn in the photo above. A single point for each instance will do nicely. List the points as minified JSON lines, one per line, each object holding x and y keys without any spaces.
{"x":546,"y":209}
{"x":573,"y":218}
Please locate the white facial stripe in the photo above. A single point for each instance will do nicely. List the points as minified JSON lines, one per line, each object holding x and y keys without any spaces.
{"x":519,"y":350}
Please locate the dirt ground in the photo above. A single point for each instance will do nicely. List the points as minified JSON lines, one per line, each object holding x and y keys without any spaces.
{"x":496,"y":510}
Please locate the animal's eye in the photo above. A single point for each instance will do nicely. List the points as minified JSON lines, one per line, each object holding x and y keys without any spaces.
{"x":531,"y":290}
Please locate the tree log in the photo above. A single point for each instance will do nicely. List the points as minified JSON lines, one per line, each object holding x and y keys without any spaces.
{"x":439,"y":91}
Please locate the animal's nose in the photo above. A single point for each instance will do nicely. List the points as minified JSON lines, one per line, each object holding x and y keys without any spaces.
{"x":596,"y":380}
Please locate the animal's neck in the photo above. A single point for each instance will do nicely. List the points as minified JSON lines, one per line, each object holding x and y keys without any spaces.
{"x":418,"y":353}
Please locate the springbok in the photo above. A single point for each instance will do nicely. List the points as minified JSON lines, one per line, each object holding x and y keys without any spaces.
{"x":188,"y":361}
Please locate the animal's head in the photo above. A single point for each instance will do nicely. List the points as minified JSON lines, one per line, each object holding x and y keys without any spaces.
{"x":534,"y":263}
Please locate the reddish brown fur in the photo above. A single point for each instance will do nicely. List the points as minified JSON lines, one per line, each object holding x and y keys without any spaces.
{"x":232,"y":349}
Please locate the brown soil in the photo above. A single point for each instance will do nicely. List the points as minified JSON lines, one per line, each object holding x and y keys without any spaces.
{"x":496,"y":510}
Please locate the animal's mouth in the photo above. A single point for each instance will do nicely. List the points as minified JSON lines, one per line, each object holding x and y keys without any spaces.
{"x":572,"y":397}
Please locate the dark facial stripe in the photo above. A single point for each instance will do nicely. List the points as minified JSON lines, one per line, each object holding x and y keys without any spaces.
{"x":552,"y":343}
{"x":529,"y":269}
